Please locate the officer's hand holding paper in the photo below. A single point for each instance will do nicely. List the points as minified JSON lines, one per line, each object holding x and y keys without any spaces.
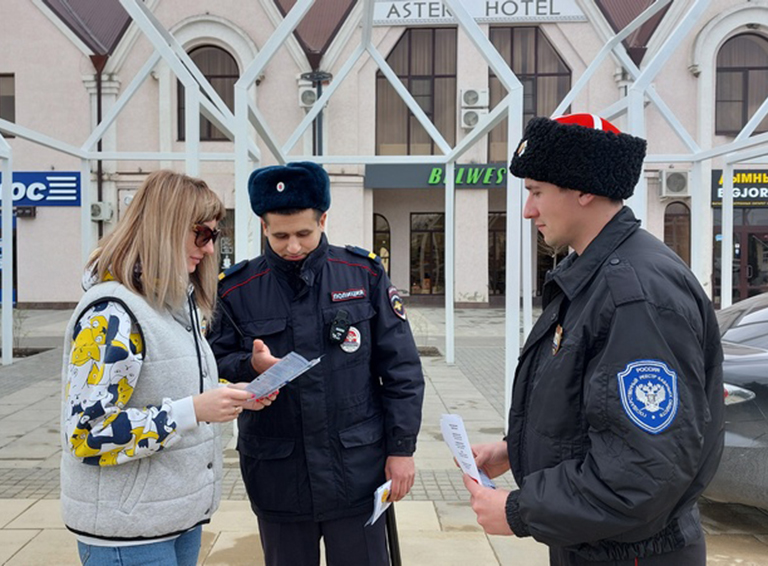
{"x":380,"y":502}
{"x":455,"y":436}
{"x":287,"y":369}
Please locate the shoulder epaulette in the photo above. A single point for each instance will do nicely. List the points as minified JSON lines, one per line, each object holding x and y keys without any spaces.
{"x":364,"y":253}
{"x":232,"y":270}
{"x":623,"y":282}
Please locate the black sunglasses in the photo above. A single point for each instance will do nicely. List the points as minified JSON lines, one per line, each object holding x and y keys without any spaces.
{"x":204,"y":234}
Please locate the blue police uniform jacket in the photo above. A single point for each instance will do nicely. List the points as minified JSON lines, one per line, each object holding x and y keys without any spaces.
{"x":319,"y":451}
{"x":616,"y":422}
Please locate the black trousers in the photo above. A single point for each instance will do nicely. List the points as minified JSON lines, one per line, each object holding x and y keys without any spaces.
{"x":694,"y":554}
{"x":347,"y":542}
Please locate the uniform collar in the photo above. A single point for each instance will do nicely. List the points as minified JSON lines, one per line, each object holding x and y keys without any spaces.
{"x":305,"y":269}
{"x":575,"y":271}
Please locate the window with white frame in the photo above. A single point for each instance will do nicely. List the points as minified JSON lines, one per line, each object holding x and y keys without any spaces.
{"x":545,"y":77}
{"x":7,"y":98}
{"x":220,"y":69}
{"x":424,"y":59}
{"x":742,"y":83}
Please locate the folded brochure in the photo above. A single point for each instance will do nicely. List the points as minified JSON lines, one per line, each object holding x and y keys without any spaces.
{"x":287,"y":369}
{"x":380,"y":502}
{"x":455,"y":436}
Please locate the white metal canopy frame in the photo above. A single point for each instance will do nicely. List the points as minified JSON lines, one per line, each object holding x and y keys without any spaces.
{"x":247,"y":122}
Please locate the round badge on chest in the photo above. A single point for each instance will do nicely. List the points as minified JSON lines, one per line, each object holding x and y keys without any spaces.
{"x":352,"y":342}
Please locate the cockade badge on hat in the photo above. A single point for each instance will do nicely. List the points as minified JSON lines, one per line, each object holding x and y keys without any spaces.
{"x":280,"y":187}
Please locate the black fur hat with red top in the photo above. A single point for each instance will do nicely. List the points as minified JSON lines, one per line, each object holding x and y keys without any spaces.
{"x":582,"y":152}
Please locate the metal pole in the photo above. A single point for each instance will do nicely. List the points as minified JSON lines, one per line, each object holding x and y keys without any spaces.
{"x":319,"y":122}
{"x":86,"y":226}
{"x":700,"y":211}
{"x":99,"y":62}
{"x":245,"y":246}
{"x":192,"y":130}
{"x":450,"y":255}
{"x":7,"y":261}
{"x":638,"y":202}
{"x":515,"y":198}
{"x":726,"y":230}
{"x":392,"y":539}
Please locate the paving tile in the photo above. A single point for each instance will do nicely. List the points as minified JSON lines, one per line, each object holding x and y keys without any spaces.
{"x":27,"y":395}
{"x":207,"y":541}
{"x":513,"y":550}
{"x":234,"y":549}
{"x":447,"y":549}
{"x":12,"y":508}
{"x":39,"y":443}
{"x":435,"y":522}
{"x":6,"y":410}
{"x":45,"y":514}
{"x":414,"y":517}
{"x":233,"y":516}
{"x":736,"y":550}
{"x":721,"y":518}
{"x":11,"y":542}
{"x":457,"y":516}
{"x":51,"y":547}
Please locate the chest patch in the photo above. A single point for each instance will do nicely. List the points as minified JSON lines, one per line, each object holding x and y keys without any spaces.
{"x":648,"y":390}
{"x":352,"y":342}
{"x":348,"y":295}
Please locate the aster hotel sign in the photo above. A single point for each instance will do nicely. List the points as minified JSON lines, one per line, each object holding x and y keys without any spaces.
{"x":430,"y":12}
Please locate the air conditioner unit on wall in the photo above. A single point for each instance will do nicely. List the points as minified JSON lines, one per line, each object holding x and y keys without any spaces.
{"x":471,"y":116}
{"x":101,"y":211}
{"x":474,"y":98}
{"x":675,"y":184}
{"x":307,"y":95}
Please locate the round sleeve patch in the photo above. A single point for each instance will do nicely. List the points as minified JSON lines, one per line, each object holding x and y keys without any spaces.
{"x":648,"y":391}
{"x":396,"y":302}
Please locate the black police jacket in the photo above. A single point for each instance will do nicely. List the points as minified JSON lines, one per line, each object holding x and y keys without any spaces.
{"x":318,"y":452}
{"x":616,"y":424}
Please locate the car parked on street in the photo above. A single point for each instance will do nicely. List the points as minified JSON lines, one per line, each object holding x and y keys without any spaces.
{"x":742,"y":476}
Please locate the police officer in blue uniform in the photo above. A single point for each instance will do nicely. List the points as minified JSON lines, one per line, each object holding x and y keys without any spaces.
{"x":312,"y":462}
{"x":616,"y":421}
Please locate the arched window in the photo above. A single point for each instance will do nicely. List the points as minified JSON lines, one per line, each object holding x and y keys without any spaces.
{"x":382,"y":240}
{"x":425,"y":61}
{"x":677,"y":230}
{"x":742,"y":83}
{"x":545,"y":76}
{"x":220,"y":68}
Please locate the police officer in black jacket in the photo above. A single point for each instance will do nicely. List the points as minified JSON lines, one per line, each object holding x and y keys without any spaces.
{"x":616,"y":423}
{"x":312,"y":463}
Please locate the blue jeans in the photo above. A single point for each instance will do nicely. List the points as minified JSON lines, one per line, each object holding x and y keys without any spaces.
{"x":181,"y":551}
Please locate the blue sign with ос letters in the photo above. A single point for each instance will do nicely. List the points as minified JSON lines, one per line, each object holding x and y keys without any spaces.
{"x":45,"y":188}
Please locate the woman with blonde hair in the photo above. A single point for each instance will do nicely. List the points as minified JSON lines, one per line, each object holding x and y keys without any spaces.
{"x":141,"y":466}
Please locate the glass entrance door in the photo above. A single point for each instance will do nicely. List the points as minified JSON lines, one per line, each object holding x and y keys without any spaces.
{"x":750,"y":262}
{"x":754,"y":279}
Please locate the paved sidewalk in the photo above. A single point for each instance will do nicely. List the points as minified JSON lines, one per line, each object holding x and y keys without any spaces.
{"x":435,"y":523}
